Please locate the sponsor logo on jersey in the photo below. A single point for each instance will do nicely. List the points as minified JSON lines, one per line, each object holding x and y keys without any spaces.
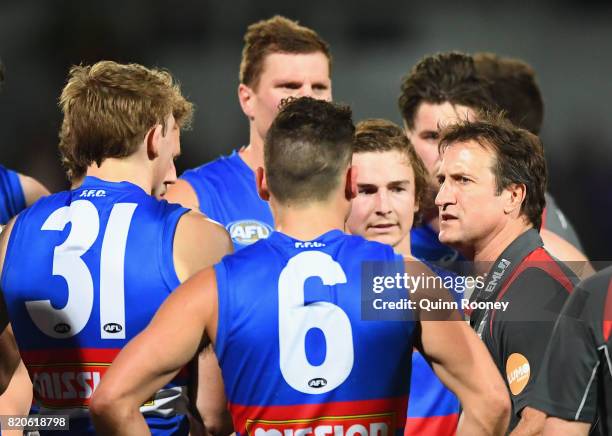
{"x":358,"y":425}
{"x":518,"y":372}
{"x":499,"y":272}
{"x":246,"y":232}
{"x":66,"y":387}
{"x":93,"y":193}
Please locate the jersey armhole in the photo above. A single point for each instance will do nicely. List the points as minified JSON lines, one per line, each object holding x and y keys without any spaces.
{"x":7,"y":255}
{"x":17,"y":198}
{"x":222,"y":310}
{"x":166,"y":248}
{"x":199,"y":186}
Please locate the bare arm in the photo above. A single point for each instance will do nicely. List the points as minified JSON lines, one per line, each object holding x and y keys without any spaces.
{"x":566,"y":252}
{"x":198,"y":243}
{"x":211,"y":402}
{"x":531,"y":423}
{"x":181,"y":192}
{"x":461,"y":361}
{"x":32,"y":189}
{"x":556,"y":426}
{"x":17,"y":398}
{"x":9,"y":354}
{"x":178,"y":330}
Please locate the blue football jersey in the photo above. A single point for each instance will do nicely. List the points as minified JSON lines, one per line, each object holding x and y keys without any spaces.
{"x":227,"y":193}
{"x":297,"y":357}
{"x":424,"y":244}
{"x":85,"y":271}
{"x":12,"y":200}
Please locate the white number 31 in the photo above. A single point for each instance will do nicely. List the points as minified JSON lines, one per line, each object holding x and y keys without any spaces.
{"x":67,"y":262}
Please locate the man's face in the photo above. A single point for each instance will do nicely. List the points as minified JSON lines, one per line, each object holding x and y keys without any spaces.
{"x":168,"y":149}
{"x":470,"y":211}
{"x":384,"y":208}
{"x":288,"y":75}
{"x":425,"y":136}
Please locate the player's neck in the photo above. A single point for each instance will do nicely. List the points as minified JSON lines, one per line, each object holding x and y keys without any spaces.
{"x":130,"y":169}
{"x":252,"y":154}
{"x":403,"y":247}
{"x":489,"y":249}
{"x":307,"y":222}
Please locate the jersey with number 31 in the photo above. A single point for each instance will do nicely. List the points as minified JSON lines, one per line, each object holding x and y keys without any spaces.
{"x":296,"y":356}
{"x":85,"y":272}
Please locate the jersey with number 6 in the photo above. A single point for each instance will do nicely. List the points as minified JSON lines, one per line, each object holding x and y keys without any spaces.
{"x":296,"y":356}
{"x":85,"y":271}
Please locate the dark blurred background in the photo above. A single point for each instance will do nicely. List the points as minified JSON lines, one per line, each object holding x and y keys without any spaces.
{"x":568,"y":42}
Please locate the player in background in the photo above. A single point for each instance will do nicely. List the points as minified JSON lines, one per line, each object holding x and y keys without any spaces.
{"x":391,"y":187}
{"x":269,"y":337}
{"x":85,"y":270}
{"x":574,"y":386}
{"x":280,"y":59}
{"x":492,"y":179}
{"x":514,"y":88}
{"x":440,"y":90}
{"x":16,"y":190}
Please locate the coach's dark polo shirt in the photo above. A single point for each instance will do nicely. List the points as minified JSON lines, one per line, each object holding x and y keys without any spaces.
{"x":575,"y":381}
{"x":535,"y":286}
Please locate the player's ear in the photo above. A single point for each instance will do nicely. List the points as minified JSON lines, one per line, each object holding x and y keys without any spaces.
{"x":514,"y":197}
{"x":245,"y":96}
{"x":152,"y":141}
{"x":262,"y":184}
{"x":350,"y":186}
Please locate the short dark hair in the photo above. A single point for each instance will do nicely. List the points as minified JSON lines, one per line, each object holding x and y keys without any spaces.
{"x":308,"y":147}
{"x":519,"y":157}
{"x":443,"y":77}
{"x":276,"y":35}
{"x":378,"y":135}
{"x":514,"y":89}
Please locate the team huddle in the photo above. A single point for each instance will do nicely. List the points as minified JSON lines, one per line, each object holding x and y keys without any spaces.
{"x":232,"y":299}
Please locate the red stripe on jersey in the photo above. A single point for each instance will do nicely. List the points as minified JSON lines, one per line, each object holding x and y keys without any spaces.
{"x":337,"y":417}
{"x":538,"y":258}
{"x":607,"y":319}
{"x":71,"y":355}
{"x":432,"y":426}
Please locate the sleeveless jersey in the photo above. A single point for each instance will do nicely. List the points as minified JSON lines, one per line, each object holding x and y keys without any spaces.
{"x":85,"y":271}
{"x":296,"y":356}
{"x":227,"y":193}
{"x":12,"y":200}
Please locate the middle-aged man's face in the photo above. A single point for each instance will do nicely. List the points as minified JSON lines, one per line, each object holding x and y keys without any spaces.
{"x":428,"y":121}
{"x":384,"y":208}
{"x":470,"y":210}
{"x":288,"y":75}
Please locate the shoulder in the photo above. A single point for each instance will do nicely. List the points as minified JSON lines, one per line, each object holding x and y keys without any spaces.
{"x":32,"y":189}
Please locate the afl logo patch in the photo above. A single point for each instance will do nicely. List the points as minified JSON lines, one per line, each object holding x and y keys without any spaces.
{"x":61,"y":328}
{"x":112,"y":327}
{"x":317,"y":383}
{"x":247,"y":232}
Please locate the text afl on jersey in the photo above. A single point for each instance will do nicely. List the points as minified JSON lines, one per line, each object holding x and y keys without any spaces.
{"x":247,"y":232}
